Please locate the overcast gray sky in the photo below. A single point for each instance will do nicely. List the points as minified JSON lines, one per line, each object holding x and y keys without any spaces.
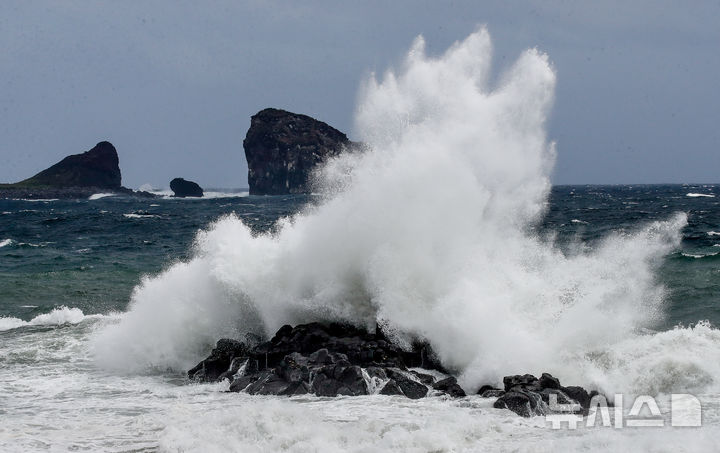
{"x":172,"y":84}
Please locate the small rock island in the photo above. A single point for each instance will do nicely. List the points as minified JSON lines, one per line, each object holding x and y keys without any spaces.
{"x":182,"y":188}
{"x":76,"y":176}
{"x":282,"y":148}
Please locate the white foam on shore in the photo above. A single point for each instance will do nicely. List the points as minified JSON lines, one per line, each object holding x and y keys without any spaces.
{"x":58,"y":316}
{"x":49,"y":381}
{"x":387,"y":424}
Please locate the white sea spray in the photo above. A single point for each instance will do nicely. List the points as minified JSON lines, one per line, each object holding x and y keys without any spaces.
{"x":429,"y":232}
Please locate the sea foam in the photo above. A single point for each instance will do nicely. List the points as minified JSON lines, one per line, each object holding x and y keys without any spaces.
{"x":134,"y":215}
{"x":169,"y":194}
{"x":430,"y":233}
{"x":57,"y":317}
{"x":98,"y":196}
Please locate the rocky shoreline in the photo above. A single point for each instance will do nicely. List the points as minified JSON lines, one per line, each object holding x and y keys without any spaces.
{"x":333,"y":359}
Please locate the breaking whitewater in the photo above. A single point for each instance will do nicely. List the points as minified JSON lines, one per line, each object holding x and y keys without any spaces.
{"x":432,"y":235}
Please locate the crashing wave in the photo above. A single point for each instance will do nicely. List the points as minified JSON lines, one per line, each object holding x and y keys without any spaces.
{"x":454,"y":263}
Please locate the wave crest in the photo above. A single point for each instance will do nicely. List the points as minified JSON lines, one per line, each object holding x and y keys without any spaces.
{"x":57,"y":317}
{"x":428,"y":232}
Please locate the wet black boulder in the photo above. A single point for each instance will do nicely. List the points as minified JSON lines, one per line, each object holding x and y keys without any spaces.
{"x":324,"y":359}
{"x":450,"y":386}
{"x":182,"y":188}
{"x":220,"y":361}
{"x":528,"y":396}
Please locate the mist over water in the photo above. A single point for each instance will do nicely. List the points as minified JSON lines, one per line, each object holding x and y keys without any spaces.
{"x":431,"y":232}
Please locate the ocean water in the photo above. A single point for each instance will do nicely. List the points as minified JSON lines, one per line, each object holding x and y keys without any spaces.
{"x":445,"y":229}
{"x":68,"y":268}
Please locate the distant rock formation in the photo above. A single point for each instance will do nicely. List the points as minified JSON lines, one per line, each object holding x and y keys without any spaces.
{"x":282,"y":149}
{"x":182,"y":188}
{"x":76,"y":176}
{"x":95,"y":168}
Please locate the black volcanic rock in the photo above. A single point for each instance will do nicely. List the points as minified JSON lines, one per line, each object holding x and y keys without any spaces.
{"x":488,"y":391}
{"x":450,"y":386}
{"x":527,"y":395}
{"x":322,"y":359}
{"x":335,"y":359}
{"x":410,"y":387}
{"x":391,"y":388}
{"x":282,"y":149}
{"x":220,"y":360}
{"x":183,"y":188}
{"x":76,"y":176}
{"x":95,"y":168}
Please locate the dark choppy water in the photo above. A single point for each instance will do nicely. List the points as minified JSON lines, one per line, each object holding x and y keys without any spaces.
{"x":66,"y":267}
{"x":90,"y":254}
{"x":691,"y":274}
